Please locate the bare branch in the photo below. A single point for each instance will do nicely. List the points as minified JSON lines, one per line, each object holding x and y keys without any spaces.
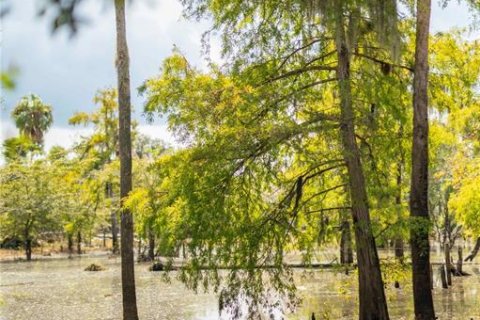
{"x":383,"y":63}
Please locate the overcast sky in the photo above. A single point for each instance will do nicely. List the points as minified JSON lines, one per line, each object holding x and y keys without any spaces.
{"x":67,"y":72}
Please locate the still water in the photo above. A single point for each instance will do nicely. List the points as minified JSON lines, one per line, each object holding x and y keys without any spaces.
{"x":60,"y":289}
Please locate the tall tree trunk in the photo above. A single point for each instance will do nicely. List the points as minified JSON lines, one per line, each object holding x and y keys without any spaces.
{"x":125,"y":143}
{"x":419,"y":232}
{"x":79,"y":242}
{"x":373,"y":304}
{"x":398,"y":242}
{"x":151,"y":244}
{"x":447,"y":245}
{"x":113,"y":218}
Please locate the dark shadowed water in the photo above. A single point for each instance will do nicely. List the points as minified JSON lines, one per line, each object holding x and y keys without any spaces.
{"x":61,"y":290}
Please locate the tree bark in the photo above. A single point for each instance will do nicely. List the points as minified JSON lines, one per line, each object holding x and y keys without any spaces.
{"x":79,"y":242}
{"x":125,"y":147}
{"x":151,"y":244}
{"x":373,"y":304}
{"x":419,"y":232}
{"x":398,"y":242}
{"x":448,"y":264}
{"x":114,"y":222}
{"x":443,"y":276}
{"x":399,"y":248}
{"x":113,"y":218}
{"x":104,"y":238}
{"x":346,"y":251}
{"x":460,"y":261}
{"x":447,"y":245}
{"x":70,"y":243}
{"x":28,"y":245}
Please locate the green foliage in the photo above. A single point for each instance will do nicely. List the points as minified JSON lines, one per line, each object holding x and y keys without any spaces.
{"x":103,"y":143}
{"x":7,"y":78}
{"x":466,"y":201}
{"x":30,"y":200}
{"x":395,"y":271}
{"x":261,"y":173}
{"x":18,"y":148}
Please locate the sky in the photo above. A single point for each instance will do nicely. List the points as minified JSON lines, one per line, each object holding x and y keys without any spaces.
{"x":66,"y":72}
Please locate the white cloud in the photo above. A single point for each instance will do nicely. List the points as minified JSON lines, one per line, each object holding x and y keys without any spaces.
{"x":455,"y":15}
{"x":64,"y":137}
{"x":67,"y":137}
{"x":159,"y":131}
{"x":66,"y":72}
{"x":7,"y":130}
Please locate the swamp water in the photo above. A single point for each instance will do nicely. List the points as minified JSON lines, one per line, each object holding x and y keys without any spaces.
{"x":61,"y":290}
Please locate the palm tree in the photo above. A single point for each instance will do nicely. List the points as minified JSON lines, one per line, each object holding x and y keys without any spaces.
{"x":32,"y":117}
{"x":125,"y":144}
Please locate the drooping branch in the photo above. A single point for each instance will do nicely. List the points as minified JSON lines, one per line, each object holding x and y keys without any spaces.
{"x":296,"y":192}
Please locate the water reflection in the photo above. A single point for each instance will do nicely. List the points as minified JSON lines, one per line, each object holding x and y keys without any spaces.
{"x":60,"y":289}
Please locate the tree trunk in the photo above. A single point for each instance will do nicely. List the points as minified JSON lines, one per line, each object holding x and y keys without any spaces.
{"x":125,"y":143}
{"x":446,"y":245}
{"x":460,"y":261}
{"x":399,"y":248}
{"x":448,"y":264}
{"x":139,"y":248}
{"x":474,"y":252}
{"x":28,"y":245}
{"x":398,"y":242}
{"x":114,"y":222}
{"x":104,"y":238}
{"x":70,"y":243}
{"x":431,"y":277}
{"x":151,"y":244}
{"x":443,"y":276}
{"x":419,"y":232}
{"x":79,"y":242}
{"x":346,"y":253}
{"x":113,"y":218}
{"x":373,"y":304}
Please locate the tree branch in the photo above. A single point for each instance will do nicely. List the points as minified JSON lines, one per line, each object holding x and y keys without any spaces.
{"x":376,"y":60}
